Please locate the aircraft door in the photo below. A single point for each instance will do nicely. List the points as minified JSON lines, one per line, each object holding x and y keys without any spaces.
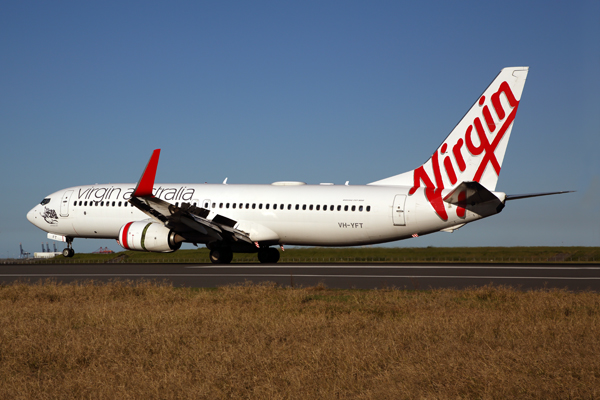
{"x":64,"y":203}
{"x":398,"y":210}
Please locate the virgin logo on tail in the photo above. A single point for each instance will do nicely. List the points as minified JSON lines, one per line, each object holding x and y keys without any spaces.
{"x":482,"y":150}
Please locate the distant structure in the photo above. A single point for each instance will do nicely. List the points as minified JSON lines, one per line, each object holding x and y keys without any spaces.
{"x":104,"y":250}
{"x":24,"y":254}
{"x":46,"y":253}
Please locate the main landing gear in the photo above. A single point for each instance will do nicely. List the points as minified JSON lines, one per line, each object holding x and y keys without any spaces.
{"x":68,"y":251}
{"x":268,"y":255}
{"x":221,"y":255}
{"x":224,"y":255}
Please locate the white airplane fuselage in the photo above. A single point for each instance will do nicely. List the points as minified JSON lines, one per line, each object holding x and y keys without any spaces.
{"x":293,"y":214}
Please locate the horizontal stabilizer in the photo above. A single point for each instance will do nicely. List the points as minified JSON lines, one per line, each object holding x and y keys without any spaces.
{"x":469,"y":193}
{"x":526,"y":196}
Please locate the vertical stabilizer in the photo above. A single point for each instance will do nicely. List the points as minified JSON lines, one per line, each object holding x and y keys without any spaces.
{"x":475,"y":148}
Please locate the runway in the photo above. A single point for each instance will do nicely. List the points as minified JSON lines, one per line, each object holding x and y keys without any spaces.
{"x":361,"y":276}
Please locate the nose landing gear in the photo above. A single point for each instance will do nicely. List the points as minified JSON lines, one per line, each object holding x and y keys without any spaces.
{"x":68,"y":251}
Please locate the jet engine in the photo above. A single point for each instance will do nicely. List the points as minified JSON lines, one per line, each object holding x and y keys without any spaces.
{"x":149,"y":236}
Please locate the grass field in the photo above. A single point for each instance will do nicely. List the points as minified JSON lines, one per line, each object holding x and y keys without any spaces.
{"x":147,"y":340}
{"x":362,"y":254}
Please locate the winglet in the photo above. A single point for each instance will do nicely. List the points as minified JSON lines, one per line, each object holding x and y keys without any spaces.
{"x":146,"y":182}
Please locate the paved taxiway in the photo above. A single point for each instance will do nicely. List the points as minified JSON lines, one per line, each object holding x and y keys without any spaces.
{"x":362,"y":276}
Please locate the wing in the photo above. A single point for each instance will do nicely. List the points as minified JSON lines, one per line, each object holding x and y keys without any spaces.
{"x":193,"y":223}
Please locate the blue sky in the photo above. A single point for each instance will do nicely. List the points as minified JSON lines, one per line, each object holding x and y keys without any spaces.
{"x":314,"y":91}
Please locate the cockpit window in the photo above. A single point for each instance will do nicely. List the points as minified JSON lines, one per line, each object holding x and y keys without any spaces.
{"x":45,"y":201}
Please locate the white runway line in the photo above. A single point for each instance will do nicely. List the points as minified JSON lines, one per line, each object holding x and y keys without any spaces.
{"x":279,"y":266}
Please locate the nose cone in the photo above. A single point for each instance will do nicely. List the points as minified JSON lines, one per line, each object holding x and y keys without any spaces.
{"x":33,"y":215}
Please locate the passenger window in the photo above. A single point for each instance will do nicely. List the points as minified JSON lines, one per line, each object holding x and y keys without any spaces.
{"x":247,"y":206}
{"x":360,"y":208}
{"x":368,"y":208}
{"x":310,"y":207}
{"x":119,"y":204}
{"x":289,"y":206}
{"x":205,"y":205}
{"x":345,"y":208}
{"x":304,"y":206}
{"x":260,"y":206}
{"x":214,"y":205}
{"x":241,"y":205}
{"x":233,"y":205}
{"x":318,"y":207}
{"x":325,"y":208}
{"x":281,"y":206}
{"x":297,"y":206}
{"x":339,"y":208}
{"x":353,"y":208}
{"x":227,"y":205}
{"x":101,"y":203}
{"x":267,"y":206}
{"x":114,"y":203}
{"x":220,"y":205}
{"x":253,"y":206}
{"x":274,"y":206}
{"x":176,"y":204}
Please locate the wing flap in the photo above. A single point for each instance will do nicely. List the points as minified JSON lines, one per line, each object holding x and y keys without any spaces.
{"x":188,"y":215}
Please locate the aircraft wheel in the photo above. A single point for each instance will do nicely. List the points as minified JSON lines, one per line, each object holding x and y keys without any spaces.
{"x":273,"y":255}
{"x":263,"y":256}
{"x":67,"y":252}
{"x":221,"y":256}
{"x":268,"y":255}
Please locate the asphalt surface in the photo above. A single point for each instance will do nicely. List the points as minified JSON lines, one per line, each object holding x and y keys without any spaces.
{"x":361,"y":276}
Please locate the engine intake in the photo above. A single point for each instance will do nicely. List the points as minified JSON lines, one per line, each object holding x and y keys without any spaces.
{"x":149,"y":236}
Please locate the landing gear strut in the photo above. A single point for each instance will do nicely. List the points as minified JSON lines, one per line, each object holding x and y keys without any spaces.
{"x":221,"y":255}
{"x":268,"y":255}
{"x":68,"y":251}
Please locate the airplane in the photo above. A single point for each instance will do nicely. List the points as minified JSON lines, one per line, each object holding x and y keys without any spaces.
{"x":455,"y":186}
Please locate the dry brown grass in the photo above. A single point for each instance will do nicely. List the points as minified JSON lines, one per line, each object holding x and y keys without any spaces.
{"x":125,"y":340}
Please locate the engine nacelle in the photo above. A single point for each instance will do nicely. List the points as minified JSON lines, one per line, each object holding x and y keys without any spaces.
{"x":149,"y":236}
